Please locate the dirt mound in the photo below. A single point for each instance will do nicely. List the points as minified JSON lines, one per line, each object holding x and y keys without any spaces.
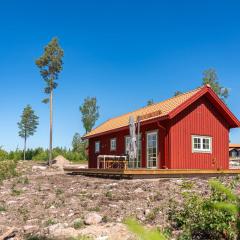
{"x":60,"y":161}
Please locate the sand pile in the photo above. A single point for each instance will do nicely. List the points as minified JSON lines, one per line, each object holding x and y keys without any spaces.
{"x":60,"y":162}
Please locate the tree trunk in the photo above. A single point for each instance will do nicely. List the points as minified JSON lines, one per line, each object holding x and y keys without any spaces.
{"x":24,"y":151}
{"x":51,"y":130}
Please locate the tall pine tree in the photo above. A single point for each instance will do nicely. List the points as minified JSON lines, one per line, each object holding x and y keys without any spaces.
{"x":50,"y":65}
{"x":27,"y":126}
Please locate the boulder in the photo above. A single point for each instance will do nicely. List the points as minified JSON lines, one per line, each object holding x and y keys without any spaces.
{"x":39,"y":168}
{"x":28,"y":229}
{"x":54,"y":227}
{"x":64,"y":233}
{"x":92,"y":218}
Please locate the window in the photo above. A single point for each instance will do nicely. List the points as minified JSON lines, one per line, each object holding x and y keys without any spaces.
{"x":201,"y":144}
{"x":113,"y":144}
{"x":97,"y":146}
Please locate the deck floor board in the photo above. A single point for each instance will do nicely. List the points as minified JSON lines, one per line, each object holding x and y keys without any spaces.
{"x":148,"y":173}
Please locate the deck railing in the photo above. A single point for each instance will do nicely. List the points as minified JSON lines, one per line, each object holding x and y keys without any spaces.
{"x":234,"y":162}
{"x":112,"y":161}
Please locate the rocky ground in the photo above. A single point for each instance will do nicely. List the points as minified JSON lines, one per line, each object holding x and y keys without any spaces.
{"x":46,"y":202}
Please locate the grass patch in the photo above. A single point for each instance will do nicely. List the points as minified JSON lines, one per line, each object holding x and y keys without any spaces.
{"x":95,"y":209}
{"x":109,"y":195}
{"x":50,"y":222}
{"x":153,"y":214}
{"x":187,"y":185}
{"x":59,"y":191}
{"x":78,"y":224}
{"x":81,"y":238}
{"x":23,"y":180}
{"x":2,"y":209}
{"x":105,"y":219}
{"x":15,"y":192}
{"x":7,"y":169}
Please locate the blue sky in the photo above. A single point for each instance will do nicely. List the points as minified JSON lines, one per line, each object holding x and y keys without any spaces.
{"x":123,"y":52}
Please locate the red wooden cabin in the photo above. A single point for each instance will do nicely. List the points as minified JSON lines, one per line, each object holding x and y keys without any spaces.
{"x":189,"y":131}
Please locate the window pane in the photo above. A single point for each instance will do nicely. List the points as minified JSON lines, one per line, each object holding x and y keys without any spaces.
{"x":152,"y":150}
{"x":197,"y":143}
{"x":206,"y":143}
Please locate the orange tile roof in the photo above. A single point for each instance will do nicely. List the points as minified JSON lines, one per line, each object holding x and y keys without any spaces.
{"x":234,"y":145}
{"x":160,"y":109}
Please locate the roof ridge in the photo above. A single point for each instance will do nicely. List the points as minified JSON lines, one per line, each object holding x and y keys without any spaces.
{"x":138,"y":111}
{"x":153,"y":104}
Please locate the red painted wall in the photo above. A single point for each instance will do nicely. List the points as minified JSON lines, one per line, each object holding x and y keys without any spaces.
{"x":120,"y":136}
{"x":201,"y":118}
{"x":175,"y":141}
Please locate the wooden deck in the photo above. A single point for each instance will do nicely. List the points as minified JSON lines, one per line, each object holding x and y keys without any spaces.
{"x":147,"y":173}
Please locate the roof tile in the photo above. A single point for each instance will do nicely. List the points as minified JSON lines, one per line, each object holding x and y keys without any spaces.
{"x":160,"y":109}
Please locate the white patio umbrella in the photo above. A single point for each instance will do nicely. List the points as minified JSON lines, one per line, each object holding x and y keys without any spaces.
{"x":132,"y":146}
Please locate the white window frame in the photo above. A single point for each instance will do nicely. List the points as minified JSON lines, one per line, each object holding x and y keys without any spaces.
{"x":154,"y":132}
{"x":113,"y":147}
{"x":97,"y":143}
{"x":201,"y":149}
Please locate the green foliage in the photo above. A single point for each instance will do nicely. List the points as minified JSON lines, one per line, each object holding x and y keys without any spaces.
{"x":78,"y":224}
{"x":3,"y":208}
{"x":230,"y":202}
{"x":82,"y":237}
{"x":7,"y":169}
{"x":187,"y":185}
{"x":15,"y":155}
{"x":3,"y":154}
{"x":151,"y":216}
{"x":177,"y":93}
{"x":109,"y":195}
{"x":90,"y":113}
{"x":29,"y":122}
{"x":28,"y":125}
{"x":77,"y":143}
{"x":40,"y":154}
{"x":143,"y":233}
{"x":210,"y":77}
{"x":198,"y":219}
{"x":150,"y":102}
{"x":50,"y":222}
{"x":50,"y":65}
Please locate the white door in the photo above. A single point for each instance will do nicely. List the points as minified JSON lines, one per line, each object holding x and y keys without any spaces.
{"x":152,"y":149}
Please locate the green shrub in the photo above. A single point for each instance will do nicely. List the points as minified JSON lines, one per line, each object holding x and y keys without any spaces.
{"x":7,"y":169}
{"x":2,"y":208}
{"x":15,"y":155}
{"x":3,"y":154}
{"x":50,"y":222}
{"x":41,"y":156}
{"x":78,"y":224}
{"x":199,"y":220}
